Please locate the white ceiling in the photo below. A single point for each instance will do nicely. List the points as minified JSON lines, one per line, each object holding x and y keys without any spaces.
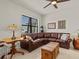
{"x":37,"y":5}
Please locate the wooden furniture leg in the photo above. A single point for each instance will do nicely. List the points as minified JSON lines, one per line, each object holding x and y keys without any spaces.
{"x":13,"y":50}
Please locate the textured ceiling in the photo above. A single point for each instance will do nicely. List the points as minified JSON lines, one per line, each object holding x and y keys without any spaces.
{"x":37,"y":5}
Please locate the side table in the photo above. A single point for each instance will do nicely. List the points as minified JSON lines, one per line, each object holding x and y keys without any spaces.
{"x":13,"y":46}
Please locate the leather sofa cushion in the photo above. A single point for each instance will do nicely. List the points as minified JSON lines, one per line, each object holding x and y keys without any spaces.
{"x":47,"y":35}
{"x":54,"y":35}
{"x":59,"y":40}
{"x":40,"y":35}
{"x":37,"y":40}
{"x":59,"y":35}
{"x":43,"y":38}
{"x":52,"y":39}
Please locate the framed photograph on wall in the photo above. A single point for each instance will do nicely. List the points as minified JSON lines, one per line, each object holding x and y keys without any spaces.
{"x":52,"y":25}
{"x":62,"y":24}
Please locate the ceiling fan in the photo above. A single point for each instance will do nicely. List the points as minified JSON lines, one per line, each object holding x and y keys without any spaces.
{"x":54,"y":2}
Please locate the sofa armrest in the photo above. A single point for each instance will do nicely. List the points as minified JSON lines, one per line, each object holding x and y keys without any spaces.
{"x":68,"y":39}
{"x":67,"y":42}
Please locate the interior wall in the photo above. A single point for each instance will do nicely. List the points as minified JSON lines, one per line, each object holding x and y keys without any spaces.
{"x":11,"y":13}
{"x":67,"y":12}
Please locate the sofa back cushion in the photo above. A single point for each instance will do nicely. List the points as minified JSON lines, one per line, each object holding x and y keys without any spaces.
{"x":59,"y":35}
{"x":40,"y":35}
{"x":54,"y":35}
{"x":47,"y":35}
{"x":34,"y":36}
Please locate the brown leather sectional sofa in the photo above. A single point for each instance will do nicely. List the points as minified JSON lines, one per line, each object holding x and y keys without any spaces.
{"x":39,"y":39}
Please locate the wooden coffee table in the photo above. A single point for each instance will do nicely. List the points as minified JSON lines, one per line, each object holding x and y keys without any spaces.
{"x":50,"y":51}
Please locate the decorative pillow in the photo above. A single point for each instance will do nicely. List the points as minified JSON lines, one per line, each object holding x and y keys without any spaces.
{"x":64,"y":36}
{"x":29,"y":38}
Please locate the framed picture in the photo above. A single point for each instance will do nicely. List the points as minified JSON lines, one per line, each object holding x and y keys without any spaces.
{"x":52,"y":25}
{"x":62,"y":24}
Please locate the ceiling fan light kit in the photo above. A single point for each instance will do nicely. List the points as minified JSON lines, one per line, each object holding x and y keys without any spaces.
{"x":54,"y":2}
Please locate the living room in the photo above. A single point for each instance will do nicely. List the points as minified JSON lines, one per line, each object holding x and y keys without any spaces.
{"x":12,"y":11}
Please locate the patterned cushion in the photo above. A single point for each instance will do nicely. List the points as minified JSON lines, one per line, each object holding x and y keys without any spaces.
{"x":29,"y":38}
{"x":32,"y":35}
{"x":64,"y":36}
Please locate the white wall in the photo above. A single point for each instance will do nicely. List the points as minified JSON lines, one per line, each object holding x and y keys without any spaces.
{"x":11,"y":13}
{"x":68,"y":12}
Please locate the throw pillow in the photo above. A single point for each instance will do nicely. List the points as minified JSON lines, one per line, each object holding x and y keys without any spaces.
{"x":29,"y":38}
{"x":64,"y":37}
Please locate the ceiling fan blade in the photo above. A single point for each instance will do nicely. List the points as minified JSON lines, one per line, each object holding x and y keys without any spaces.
{"x":47,"y":5}
{"x":55,"y":6}
{"x":59,"y":1}
{"x":54,"y":2}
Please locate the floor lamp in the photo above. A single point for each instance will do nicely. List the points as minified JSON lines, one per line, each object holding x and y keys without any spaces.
{"x":13,"y":27}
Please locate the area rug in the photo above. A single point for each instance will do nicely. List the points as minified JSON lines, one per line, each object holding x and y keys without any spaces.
{"x":36,"y":54}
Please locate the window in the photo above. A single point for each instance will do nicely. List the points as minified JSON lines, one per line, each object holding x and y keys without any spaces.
{"x":29,"y":24}
{"x":62,"y":24}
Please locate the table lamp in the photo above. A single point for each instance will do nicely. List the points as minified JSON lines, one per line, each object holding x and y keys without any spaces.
{"x":13,"y":27}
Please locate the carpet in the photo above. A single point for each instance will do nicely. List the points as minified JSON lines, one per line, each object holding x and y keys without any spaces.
{"x":36,"y":54}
